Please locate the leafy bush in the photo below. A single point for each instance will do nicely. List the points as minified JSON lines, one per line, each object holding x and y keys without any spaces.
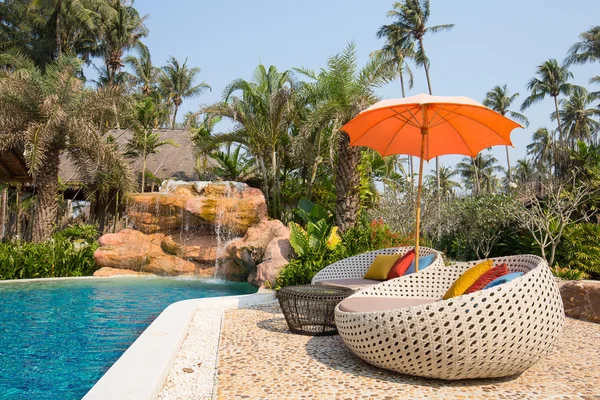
{"x":68,"y":253}
{"x":319,"y":245}
{"x":580,"y":248}
{"x":569,"y":274}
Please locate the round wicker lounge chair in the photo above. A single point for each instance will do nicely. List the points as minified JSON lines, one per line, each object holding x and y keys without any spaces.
{"x":403,"y":325}
{"x":350,"y":271}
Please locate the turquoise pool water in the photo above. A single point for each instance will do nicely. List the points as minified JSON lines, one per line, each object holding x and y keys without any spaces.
{"x":58,"y":338}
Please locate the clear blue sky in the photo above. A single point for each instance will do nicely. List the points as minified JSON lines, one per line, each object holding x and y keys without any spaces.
{"x":492,"y":43}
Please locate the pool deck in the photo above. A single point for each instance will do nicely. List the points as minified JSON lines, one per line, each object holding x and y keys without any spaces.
{"x":260,"y":359}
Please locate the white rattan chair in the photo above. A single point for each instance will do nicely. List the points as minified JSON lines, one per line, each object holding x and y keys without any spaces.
{"x":490,"y":333}
{"x":355,"y":267}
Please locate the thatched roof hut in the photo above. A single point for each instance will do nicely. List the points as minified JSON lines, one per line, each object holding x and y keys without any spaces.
{"x":13,"y":167}
{"x":170,"y":161}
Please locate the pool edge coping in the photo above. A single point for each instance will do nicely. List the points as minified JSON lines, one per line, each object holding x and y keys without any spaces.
{"x":142,"y":369}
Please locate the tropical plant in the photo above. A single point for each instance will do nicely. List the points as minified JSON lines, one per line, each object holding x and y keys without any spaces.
{"x":552,"y":80}
{"x":145,"y":140}
{"x":121,"y":30}
{"x":579,"y":249}
{"x":447,"y":185}
{"x":233,"y":166}
{"x":67,"y":253}
{"x":178,"y":83}
{"x":262,"y":110}
{"x":411,"y":25}
{"x":568,"y":274}
{"x":524,"y":171}
{"x":587,"y":50}
{"x":344,"y":90}
{"x":478,"y":172}
{"x":541,"y":149}
{"x":395,"y":53}
{"x":577,"y":116}
{"x":145,"y":74}
{"x":500,"y":101}
{"x":49,"y":113}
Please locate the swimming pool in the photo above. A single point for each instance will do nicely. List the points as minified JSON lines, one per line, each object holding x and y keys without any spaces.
{"x":57,"y":338}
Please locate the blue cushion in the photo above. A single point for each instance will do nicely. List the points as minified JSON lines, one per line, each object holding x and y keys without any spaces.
{"x":503,"y":279}
{"x":424,"y":262}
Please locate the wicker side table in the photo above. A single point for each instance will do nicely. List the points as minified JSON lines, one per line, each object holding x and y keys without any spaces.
{"x":309,"y":309}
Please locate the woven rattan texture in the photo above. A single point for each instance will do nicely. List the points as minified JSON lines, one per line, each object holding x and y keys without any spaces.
{"x":309,"y":310}
{"x":494,"y":332}
{"x":356,"y":267}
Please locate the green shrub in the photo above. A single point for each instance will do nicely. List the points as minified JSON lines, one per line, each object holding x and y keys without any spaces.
{"x":68,"y":253}
{"x":579,"y":249}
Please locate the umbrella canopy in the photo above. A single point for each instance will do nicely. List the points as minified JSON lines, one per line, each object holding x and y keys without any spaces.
{"x":428,"y":126}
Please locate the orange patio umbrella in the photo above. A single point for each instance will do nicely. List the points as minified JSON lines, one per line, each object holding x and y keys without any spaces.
{"x":428,"y":126}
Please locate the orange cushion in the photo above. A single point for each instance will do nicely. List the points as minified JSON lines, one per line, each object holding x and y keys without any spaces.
{"x":400,"y":267}
{"x":487,"y":277}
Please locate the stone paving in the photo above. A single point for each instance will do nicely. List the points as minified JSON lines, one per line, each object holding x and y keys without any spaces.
{"x":260,"y":359}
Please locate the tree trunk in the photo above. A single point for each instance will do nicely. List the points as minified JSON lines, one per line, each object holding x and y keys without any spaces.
{"x":275,"y":191}
{"x":556,"y":156}
{"x":174,"y":116}
{"x":57,"y":33}
{"x":347,"y":184}
{"x":144,"y":155}
{"x":46,"y":187}
{"x":426,"y":67}
{"x":508,"y":165}
{"x":3,"y":203}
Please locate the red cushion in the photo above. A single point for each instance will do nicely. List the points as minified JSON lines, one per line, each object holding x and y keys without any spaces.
{"x":401,"y":265}
{"x":487,"y":277}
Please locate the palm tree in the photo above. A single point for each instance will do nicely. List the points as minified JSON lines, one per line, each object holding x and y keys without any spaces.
{"x":587,"y":50}
{"x":394,"y":55}
{"x":447,"y":185}
{"x":479,"y":172}
{"x":411,"y":22}
{"x":541,"y":149}
{"x":74,"y":22}
{"x":577,"y":116}
{"x":524,"y":171}
{"x":51,"y":113}
{"x":121,"y":30}
{"x":552,"y":80}
{"x":500,"y":101}
{"x":344,"y":90}
{"x":145,"y":140}
{"x":262,"y":110}
{"x":233,"y":166}
{"x":177,"y":81}
{"x":144,"y":72}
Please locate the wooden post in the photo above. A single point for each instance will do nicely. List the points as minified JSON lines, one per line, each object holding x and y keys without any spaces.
{"x":424,"y":130}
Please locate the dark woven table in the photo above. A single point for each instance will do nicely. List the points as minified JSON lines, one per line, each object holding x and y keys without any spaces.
{"x":308,"y":309}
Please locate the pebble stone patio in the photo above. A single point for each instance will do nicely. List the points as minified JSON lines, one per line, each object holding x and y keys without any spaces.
{"x":260,"y":359}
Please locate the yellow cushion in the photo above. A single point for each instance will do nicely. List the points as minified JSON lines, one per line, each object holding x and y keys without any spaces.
{"x":381,"y":266}
{"x":467,"y":279}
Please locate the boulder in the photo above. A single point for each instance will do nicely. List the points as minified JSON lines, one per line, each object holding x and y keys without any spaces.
{"x":263,"y":251}
{"x":234,"y":206}
{"x":136,"y":251}
{"x":201,"y":249}
{"x":581,"y":299}
{"x":108,"y":272}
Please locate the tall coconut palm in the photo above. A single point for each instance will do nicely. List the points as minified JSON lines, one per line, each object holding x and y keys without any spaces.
{"x":500,"y":101}
{"x":541,"y":149}
{"x":74,"y":22}
{"x":178,"y":82}
{"x":478,"y":172}
{"x":262,"y":110}
{"x":394,"y":55}
{"x":447,"y":184}
{"x":525,"y":171}
{"x":577,"y":116}
{"x":121,"y":30}
{"x":48,"y":114}
{"x":552,"y":80}
{"x":411,"y":21}
{"x":587,"y":50}
{"x":345,"y":90}
{"x":145,"y":74}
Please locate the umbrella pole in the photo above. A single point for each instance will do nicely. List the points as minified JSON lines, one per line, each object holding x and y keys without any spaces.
{"x":419,"y":191}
